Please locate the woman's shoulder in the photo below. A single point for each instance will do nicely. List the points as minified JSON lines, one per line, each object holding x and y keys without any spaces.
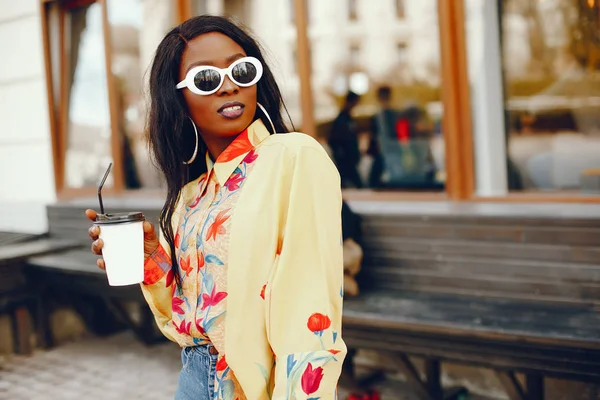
{"x":295,"y":142}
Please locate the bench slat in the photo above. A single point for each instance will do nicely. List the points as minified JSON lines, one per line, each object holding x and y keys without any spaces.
{"x":576,"y":326}
{"x":20,"y":251}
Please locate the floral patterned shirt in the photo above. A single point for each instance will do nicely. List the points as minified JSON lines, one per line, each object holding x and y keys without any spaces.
{"x":258,"y":239}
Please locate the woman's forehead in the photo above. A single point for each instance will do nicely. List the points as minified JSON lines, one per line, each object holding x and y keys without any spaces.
{"x":212,"y":48}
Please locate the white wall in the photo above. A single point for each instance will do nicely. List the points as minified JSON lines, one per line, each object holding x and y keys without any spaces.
{"x":26,"y":168}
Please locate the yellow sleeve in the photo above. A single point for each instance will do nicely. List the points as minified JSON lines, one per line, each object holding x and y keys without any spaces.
{"x":157,"y":287}
{"x":159,"y":293}
{"x":305,"y":293}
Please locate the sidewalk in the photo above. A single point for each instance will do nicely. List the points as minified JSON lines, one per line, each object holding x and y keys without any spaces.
{"x":113,"y":368}
{"x":118,"y":367}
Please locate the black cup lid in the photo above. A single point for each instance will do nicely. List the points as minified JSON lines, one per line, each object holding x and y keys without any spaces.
{"x":117,"y":218}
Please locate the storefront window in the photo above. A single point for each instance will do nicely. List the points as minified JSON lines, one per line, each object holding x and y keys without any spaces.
{"x":551,"y":65}
{"x":376,"y":89}
{"x":85,"y":104}
{"x":136,"y":28}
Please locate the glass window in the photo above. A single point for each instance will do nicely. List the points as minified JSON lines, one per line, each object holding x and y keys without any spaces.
{"x":199,"y":7}
{"x":85,"y":102}
{"x":551,"y":64}
{"x":136,"y":28}
{"x":377,"y":102}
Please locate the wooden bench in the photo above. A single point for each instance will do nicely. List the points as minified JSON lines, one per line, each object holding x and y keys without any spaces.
{"x":103,"y":308}
{"x":516,"y":294}
{"x":507,"y":287}
{"x":17,"y":297}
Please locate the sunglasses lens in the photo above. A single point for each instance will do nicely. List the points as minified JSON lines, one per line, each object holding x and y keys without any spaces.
{"x":244,"y":73}
{"x":207,"y":80}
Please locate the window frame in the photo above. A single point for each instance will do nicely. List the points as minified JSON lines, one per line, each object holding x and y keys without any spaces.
{"x":55,"y":62}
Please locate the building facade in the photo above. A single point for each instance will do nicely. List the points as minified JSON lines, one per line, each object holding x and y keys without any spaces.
{"x":507,"y":96}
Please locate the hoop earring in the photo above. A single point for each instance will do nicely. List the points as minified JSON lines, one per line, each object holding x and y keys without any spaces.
{"x":191,"y":160}
{"x":266,"y":115}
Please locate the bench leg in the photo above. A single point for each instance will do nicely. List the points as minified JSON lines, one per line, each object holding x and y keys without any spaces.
{"x":433,"y":372}
{"x":43,"y":325}
{"x":434,"y":382}
{"x":21,"y":327}
{"x":403,"y":363}
{"x":512,"y":386}
{"x":535,"y":387}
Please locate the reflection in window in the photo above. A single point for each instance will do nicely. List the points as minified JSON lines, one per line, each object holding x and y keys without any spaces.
{"x":136,"y":26}
{"x":88,"y":128}
{"x":236,"y":9}
{"x":551,"y":58}
{"x":389,"y":137}
{"x":199,"y":7}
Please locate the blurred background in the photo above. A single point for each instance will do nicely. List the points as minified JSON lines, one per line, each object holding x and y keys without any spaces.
{"x":475,"y":121}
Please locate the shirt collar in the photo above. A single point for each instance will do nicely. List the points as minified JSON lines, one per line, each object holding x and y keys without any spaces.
{"x":233,"y":155}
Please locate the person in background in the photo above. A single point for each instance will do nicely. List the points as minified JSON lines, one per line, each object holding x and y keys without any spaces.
{"x":383,"y":125}
{"x":343,"y":142}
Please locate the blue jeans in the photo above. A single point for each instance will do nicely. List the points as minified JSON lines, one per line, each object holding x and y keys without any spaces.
{"x":197,"y":376}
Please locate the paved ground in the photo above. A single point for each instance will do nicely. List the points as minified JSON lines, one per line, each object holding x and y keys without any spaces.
{"x":118,"y":367}
{"x":96,"y":369}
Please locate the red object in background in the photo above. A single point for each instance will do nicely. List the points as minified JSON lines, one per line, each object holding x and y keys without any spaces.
{"x":372,"y":395}
{"x":403,"y":130}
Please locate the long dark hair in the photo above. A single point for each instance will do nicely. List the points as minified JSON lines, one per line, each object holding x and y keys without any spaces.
{"x":170,"y":133}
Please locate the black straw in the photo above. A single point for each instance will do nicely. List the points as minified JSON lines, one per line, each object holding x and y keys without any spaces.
{"x":101,"y":186}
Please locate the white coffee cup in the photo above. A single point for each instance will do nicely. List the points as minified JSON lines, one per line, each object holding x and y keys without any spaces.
{"x":123,"y":250}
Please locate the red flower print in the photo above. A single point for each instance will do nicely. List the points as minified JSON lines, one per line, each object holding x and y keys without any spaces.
{"x":184,"y":328}
{"x":185,"y":265}
{"x":212,"y":299}
{"x":262,"y":292}
{"x":177,"y":240}
{"x":251,"y":157}
{"x":201,"y":260}
{"x":317,"y":323}
{"x":217,"y":227}
{"x":177,"y":302}
{"x":221,"y":364}
{"x":170,"y":277}
{"x":233,"y":183}
{"x":334,"y":352}
{"x":311,"y":379}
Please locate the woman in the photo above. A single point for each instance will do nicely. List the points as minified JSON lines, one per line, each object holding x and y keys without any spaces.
{"x":247,"y":274}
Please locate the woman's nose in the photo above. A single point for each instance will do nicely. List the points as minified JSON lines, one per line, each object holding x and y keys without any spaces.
{"x":228,"y":87}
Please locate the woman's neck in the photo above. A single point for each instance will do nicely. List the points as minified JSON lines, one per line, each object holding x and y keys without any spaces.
{"x":217,"y":145}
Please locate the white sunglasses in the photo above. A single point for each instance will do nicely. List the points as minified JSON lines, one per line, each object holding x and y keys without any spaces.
{"x":207,"y":79}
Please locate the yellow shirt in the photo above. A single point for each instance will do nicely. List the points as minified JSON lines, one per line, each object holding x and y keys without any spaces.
{"x":258,"y":239}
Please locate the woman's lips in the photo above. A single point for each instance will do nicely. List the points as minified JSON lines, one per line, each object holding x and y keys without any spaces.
{"x":231,"y":110}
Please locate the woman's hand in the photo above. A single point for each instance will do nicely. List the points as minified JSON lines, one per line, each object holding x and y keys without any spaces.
{"x":151,"y":242}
